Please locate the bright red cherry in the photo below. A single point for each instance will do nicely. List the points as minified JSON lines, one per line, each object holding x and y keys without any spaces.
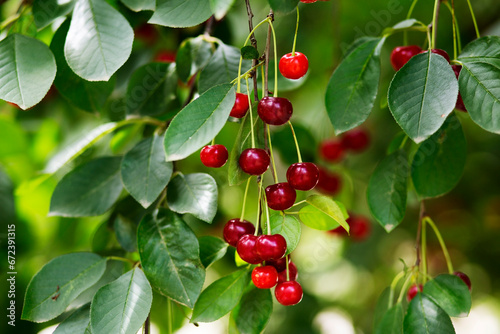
{"x":401,"y":54}
{"x":329,"y":182}
{"x":240,"y":106}
{"x":413,"y":290}
{"x":214,"y":155}
{"x":303,"y":175}
{"x":331,"y":150}
{"x":460,"y":103}
{"x":270,"y":247}
{"x":254,"y":161}
{"x":293,"y":67}
{"x":235,"y":229}
{"x":275,"y":110}
{"x":279,"y":264}
{"x":280,"y":196}
{"x":356,"y":140}
{"x":293,"y":273}
{"x":246,"y":249}
{"x":464,"y":278}
{"x":309,"y":1}
{"x":288,"y":293}
{"x":165,"y":56}
{"x":439,"y":52}
{"x":265,"y":277}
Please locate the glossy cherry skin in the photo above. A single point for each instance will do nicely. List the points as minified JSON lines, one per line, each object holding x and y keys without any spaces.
{"x":254,"y":161}
{"x":235,"y":229}
{"x":439,"y":52}
{"x":464,"y":278}
{"x":240,"y":106}
{"x":401,"y":54}
{"x":303,"y":175}
{"x":214,"y":156}
{"x":274,"y":110}
{"x":265,"y":277}
{"x":356,"y":140}
{"x":331,"y":150}
{"x":460,"y":103}
{"x":329,"y":183}
{"x":413,"y":290}
{"x":280,"y":196}
{"x":270,"y":247}
{"x":293,"y":67}
{"x":246,"y":249}
{"x":293,"y":273}
{"x":279,"y":264}
{"x":288,"y":293}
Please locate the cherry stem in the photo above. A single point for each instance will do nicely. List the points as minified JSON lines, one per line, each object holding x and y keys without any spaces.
{"x":296,"y":31}
{"x":275,"y":93}
{"x":292,"y":212}
{"x":296,"y":142}
{"x":287,"y":267}
{"x":213,"y":141}
{"x":454,"y":27}
{"x":267,"y":216}
{"x":259,"y":209}
{"x":123,"y":259}
{"x":435,"y":16}
{"x":474,"y":19}
{"x":250,"y":111}
{"x":298,"y":203}
{"x":394,"y":283}
{"x":272,"y":155}
{"x":239,"y":77}
{"x":242,"y":217}
{"x":441,"y":242}
{"x":170,"y":318}
{"x":404,"y":288}
{"x":408,"y":16}
{"x":424,"y":250}
{"x":403,"y":142}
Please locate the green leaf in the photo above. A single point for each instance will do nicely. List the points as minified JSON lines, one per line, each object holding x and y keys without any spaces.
{"x":99,"y":40}
{"x":392,"y":322}
{"x":27,"y":69}
{"x":220,"y":297}
{"x":220,"y":7}
{"x":76,"y":323}
{"x":387,"y":190}
{"x":192,"y":55}
{"x":144,"y":171}
{"x":439,"y":162}
{"x":126,"y":233}
{"x":212,"y":249}
{"x":199,"y":122}
{"x":323,"y":213}
{"x":422,"y":94}
{"x":426,"y":317}
{"x":249,"y":52}
{"x":353,"y":87}
{"x":253,"y":311}
{"x":181,"y":13}
{"x":289,"y":227}
{"x":382,"y":307}
{"x":86,"y":95}
{"x":123,"y":305}
{"x":451,"y":294}
{"x":283,"y":6}
{"x":139,"y":5}
{"x":46,"y":11}
{"x":482,"y":50}
{"x":195,"y":194}
{"x":151,"y":89}
{"x":170,"y":257}
{"x":89,"y":190}
{"x":63,"y":278}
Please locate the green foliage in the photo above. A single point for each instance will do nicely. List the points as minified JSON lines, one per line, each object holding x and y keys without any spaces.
{"x":212,"y":249}
{"x":76,"y":323}
{"x":289,"y":227}
{"x":323,"y":213}
{"x":392,"y":321}
{"x":181,"y":13}
{"x":253,"y":311}
{"x":451,"y":294}
{"x":426,"y":317}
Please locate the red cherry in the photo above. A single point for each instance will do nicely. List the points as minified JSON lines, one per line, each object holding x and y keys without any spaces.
{"x":413,"y":290}
{"x":401,"y":54}
{"x":309,"y":1}
{"x":288,"y":293}
{"x":246,"y":249}
{"x":303,"y":175}
{"x":240,"y":106}
{"x":331,"y":150}
{"x":356,"y":140}
{"x":293,"y":67}
{"x":147,"y":33}
{"x":329,"y":182}
{"x":280,"y":196}
{"x":279,"y":264}
{"x":460,"y":103}
{"x":235,"y":229}
{"x":464,"y":278}
{"x":274,"y":110}
{"x":165,"y":56}
{"x":293,"y":273}
{"x":214,"y":155}
{"x":270,"y":247}
{"x":254,"y":161}
{"x":265,"y":277}
{"x":360,"y":227}
{"x":439,"y":52}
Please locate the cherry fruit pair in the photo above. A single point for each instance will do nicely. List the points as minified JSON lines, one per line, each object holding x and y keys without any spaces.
{"x":256,"y":249}
{"x":333,"y":150}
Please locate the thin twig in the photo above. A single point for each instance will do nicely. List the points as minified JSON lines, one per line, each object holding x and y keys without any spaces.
{"x":147,"y":324}
{"x":419,"y":232}
{"x":253,"y":41}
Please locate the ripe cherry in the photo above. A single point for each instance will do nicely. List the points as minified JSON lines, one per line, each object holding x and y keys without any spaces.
{"x":235,"y":229}
{"x":214,"y":155}
{"x":279,"y":264}
{"x":329,"y":182}
{"x":439,"y":52}
{"x":265,"y":277}
{"x":464,"y":278}
{"x":303,"y":175}
{"x":401,"y":54}
{"x":165,"y":56}
{"x":270,"y":247}
{"x":293,"y":67}
{"x":280,"y":196}
{"x":413,"y":290}
{"x":331,"y":150}
{"x":308,"y":1}
{"x":240,"y":106}
{"x":288,"y":293}
{"x":146,"y":33}
{"x":246,"y":249}
{"x":254,"y":161}
{"x":293,"y":273}
{"x":460,"y":103}
{"x":356,"y":140}
{"x":275,"y":110}
{"x":359,"y":227}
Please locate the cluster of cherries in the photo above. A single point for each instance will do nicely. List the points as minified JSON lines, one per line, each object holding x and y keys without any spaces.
{"x":402,"y":54}
{"x":416,"y":288}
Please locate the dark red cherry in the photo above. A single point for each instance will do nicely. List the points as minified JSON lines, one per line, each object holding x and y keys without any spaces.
{"x":460,"y":103}
{"x":265,"y":277}
{"x":146,"y":33}
{"x":235,"y":229}
{"x":288,"y":293}
{"x":331,"y":150}
{"x":293,"y":273}
{"x":270,"y":247}
{"x":439,"y":52}
{"x":254,"y":161}
{"x":303,"y":175}
{"x":356,"y":140}
{"x":165,"y":56}
{"x":329,"y":182}
{"x":413,"y":290}
{"x":464,"y":278}
{"x":359,"y":227}
{"x":214,"y":155}
{"x":401,"y":54}
{"x":240,"y":106}
{"x":279,"y":264}
{"x":280,"y":196}
{"x":293,"y":66}
{"x":246,"y":249}
{"x":274,"y":110}
{"x":309,"y":1}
